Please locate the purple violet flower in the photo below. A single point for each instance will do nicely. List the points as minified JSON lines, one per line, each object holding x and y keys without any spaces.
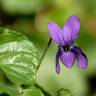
{"x":65,"y":38}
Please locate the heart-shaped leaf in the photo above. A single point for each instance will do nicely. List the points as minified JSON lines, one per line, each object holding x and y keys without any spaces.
{"x":18,"y":57}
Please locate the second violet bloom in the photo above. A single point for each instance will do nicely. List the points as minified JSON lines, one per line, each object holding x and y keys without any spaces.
{"x":65,"y":37}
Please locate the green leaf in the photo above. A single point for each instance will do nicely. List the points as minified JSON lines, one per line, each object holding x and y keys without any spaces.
{"x":63,"y":92}
{"x":18,"y":57}
{"x":11,"y":91}
{"x":6,"y":87}
{"x":2,"y":77}
{"x":34,"y":91}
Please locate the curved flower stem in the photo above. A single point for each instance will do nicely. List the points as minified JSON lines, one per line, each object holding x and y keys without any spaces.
{"x":42,"y":57}
{"x":43,"y":90}
{"x":49,"y":43}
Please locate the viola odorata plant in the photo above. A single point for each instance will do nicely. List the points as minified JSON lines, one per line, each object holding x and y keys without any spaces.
{"x":65,"y":37}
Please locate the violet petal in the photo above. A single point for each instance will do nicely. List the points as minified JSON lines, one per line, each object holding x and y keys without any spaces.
{"x":81,"y":58}
{"x":68,"y":58}
{"x":57,"y":61}
{"x":71,"y":30}
{"x":56,"y":33}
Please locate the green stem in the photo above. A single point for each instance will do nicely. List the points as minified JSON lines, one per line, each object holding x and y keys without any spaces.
{"x":43,"y":55}
{"x":43,"y":90}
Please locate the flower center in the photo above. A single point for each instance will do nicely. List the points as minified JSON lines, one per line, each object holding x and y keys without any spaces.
{"x":65,"y":48}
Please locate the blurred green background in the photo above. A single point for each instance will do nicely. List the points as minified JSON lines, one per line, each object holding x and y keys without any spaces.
{"x":31,"y":18}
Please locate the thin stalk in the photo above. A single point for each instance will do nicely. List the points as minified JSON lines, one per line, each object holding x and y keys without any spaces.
{"x":43,"y":55}
{"x":43,"y":90}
